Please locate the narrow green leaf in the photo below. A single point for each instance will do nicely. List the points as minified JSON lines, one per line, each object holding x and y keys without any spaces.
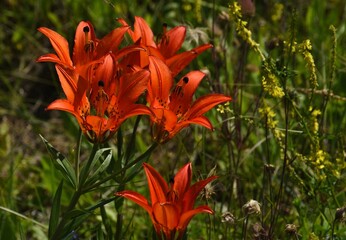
{"x":97,"y":156}
{"x":118,"y":203}
{"x":130,"y":151}
{"x":55,"y":211}
{"x":137,"y":167}
{"x":102,"y":203}
{"x":96,"y":175}
{"x":85,"y":171}
{"x":75,"y":213}
{"x":61,"y":163}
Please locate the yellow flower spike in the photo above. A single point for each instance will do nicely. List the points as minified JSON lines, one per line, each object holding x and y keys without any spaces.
{"x":269,"y":115}
{"x":304,"y":48}
{"x":242,"y":30}
{"x":270,"y":82}
{"x":198,"y":10}
{"x":278,"y":10}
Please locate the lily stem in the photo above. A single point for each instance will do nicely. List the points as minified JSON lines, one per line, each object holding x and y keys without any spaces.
{"x":77,"y":194}
{"x":77,"y":156}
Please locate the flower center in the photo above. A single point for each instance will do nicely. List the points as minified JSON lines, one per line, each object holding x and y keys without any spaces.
{"x":101,"y":99}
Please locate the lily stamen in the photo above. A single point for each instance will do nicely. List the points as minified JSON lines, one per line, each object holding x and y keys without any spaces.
{"x":101,"y":99}
{"x":89,"y":46}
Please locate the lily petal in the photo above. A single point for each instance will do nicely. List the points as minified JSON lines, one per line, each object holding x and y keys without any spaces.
{"x":65,"y":105}
{"x":84,"y":43}
{"x":172,"y":41}
{"x":68,"y":82}
{"x":180,"y":61}
{"x":186,"y":217}
{"x":157,"y":185}
{"x":137,"y":109}
{"x":160,"y":83}
{"x":202,"y":121}
{"x":110,"y":42}
{"x":61,"y":104}
{"x":132,"y":86}
{"x":181,"y":96}
{"x":166,"y":214}
{"x":182,"y":180}
{"x":143,"y":31}
{"x":163,"y":123}
{"x":59,"y":44}
{"x":136,"y":198}
{"x":97,"y":127}
{"x":164,"y":117}
{"x":193,"y":192}
{"x":50,"y":57}
{"x":204,"y":104}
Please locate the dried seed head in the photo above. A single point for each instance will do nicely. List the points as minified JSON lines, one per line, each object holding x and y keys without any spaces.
{"x":252,"y":207}
{"x":209,"y":189}
{"x":228,"y":217}
{"x":291,"y":229}
{"x":269,"y":168}
{"x":340,"y":214}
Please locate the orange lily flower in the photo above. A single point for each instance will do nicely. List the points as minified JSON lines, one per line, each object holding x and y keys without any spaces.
{"x":110,"y":101}
{"x":172,"y":206}
{"x":87,"y":48}
{"x":173,"y":109}
{"x":165,"y":49}
{"x":100,"y":94}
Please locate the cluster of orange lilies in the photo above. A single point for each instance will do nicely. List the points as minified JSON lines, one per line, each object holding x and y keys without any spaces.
{"x":103,"y":82}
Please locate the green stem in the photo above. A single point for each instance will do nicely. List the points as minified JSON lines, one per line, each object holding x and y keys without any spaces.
{"x":85,"y":172}
{"x":77,"y":194}
{"x":283,"y":171}
{"x":77,"y":156}
{"x":131,"y":144}
{"x":245,"y":223}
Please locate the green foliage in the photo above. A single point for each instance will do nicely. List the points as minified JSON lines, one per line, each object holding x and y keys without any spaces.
{"x":281,"y":141}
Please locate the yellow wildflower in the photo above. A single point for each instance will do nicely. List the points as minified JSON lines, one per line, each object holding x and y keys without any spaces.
{"x":304,"y":48}
{"x":270,"y":81}
{"x":278,"y":10}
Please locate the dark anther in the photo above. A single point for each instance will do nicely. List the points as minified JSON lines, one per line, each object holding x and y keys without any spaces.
{"x":164,"y":25}
{"x":186,"y":80}
{"x":86,"y":29}
{"x":101,"y":83}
